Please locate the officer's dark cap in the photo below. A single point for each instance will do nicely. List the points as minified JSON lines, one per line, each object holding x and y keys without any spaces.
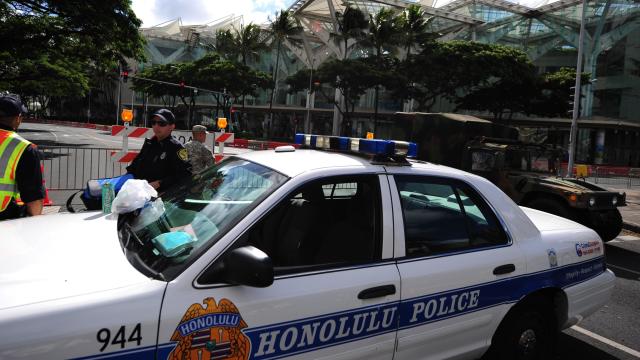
{"x":166,"y":115}
{"x":10,"y":105}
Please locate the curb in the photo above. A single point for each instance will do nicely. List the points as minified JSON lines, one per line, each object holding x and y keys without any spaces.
{"x":631,"y":227}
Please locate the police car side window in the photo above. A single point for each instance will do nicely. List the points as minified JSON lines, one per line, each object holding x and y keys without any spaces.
{"x":323,"y":224}
{"x":442,"y":216}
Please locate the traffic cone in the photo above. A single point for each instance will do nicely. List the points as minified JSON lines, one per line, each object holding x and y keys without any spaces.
{"x":46,"y":201}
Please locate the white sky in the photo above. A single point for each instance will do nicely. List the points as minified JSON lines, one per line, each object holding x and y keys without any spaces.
{"x":154,"y":12}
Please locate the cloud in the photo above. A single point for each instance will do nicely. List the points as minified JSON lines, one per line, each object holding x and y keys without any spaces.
{"x":154,"y":12}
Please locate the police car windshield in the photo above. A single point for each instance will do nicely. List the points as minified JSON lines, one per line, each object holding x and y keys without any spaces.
{"x":171,"y":232}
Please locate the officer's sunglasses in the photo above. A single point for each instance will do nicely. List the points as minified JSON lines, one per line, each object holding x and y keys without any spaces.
{"x":159,"y":123}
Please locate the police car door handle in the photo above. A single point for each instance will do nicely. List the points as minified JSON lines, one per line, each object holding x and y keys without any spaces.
{"x":504,"y":269}
{"x":377,"y":291}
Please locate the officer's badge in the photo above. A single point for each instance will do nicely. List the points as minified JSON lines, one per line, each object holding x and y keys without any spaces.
{"x":214,"y":332}
{"x":183,"y":154}
{"x":163,"y":155}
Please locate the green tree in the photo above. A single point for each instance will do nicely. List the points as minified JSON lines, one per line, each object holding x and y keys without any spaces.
{"x":249,"y":43}
{"x":211,"y":72}
{"x":224,"y":44}
{"x":352,"y":25}
{"x":555,"y":93}
{"x":508,"y":82}
{"x":384,"y":33}
{"x":169,"y":74}
{"x":352,"y":77}
{"x":413,"y":26}
{"x":283,"y":27}
{"x":512,"y":95}
{"x":64,"y":41}
{"x":454,"y":69}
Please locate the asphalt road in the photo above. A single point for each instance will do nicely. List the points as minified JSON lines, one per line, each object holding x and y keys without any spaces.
{"x":55,"y":135}
{"x":611,"y":333}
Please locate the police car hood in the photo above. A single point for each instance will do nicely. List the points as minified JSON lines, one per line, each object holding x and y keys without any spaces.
{"x":59,"y":256}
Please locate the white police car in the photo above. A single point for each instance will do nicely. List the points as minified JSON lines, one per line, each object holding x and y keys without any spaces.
{"x":306,"y":254}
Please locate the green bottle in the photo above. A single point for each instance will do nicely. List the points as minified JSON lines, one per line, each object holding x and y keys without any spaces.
{"x":107,"y":197}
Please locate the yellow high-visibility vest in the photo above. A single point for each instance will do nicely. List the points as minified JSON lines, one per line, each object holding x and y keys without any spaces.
{"x":12,"y":146}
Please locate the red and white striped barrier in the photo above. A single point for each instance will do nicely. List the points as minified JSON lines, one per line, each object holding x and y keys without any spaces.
{"x":126,"y":156}
{"x":223,"y":137}
{"x":134,"y":132}
{"x":123,"y":156}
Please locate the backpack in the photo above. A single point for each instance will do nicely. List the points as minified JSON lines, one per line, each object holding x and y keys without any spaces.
{"x":91,"y":195}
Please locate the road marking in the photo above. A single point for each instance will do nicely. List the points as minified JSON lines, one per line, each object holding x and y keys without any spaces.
{"x":54,"y":135}
{"x":604,"y":340}
{"x":624,"y":269}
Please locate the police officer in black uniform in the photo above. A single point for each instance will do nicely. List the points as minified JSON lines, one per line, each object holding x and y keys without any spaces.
{"x":163,"y":160}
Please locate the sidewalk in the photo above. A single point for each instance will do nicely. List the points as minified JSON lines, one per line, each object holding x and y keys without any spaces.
{"x":631,"y":212}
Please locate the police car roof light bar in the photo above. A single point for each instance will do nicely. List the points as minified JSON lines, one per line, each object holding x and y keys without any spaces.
{"x":377,"y":147}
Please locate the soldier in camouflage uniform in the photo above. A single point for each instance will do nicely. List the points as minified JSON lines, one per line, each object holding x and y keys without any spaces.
{"x":199,"y":155}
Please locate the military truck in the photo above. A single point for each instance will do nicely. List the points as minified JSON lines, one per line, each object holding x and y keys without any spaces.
{"x":528,"y":173}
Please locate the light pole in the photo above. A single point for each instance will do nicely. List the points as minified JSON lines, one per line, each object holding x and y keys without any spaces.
{"x":119,"y":95}
{"x":307,"y":120}
{"x":576,"y":95}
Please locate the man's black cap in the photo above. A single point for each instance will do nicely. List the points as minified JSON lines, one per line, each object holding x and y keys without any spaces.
{"x":166,"y":115}
{"x":10,"y":105}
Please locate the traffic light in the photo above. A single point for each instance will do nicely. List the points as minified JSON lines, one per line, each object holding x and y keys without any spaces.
{"x":125,"y":75}
{"x":573,"y":100}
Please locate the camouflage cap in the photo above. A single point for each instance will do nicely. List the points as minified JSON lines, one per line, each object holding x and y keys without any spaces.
{"x":199,"y":128}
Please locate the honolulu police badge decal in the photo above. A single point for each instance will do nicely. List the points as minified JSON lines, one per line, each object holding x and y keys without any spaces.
{"x":211,"y":332}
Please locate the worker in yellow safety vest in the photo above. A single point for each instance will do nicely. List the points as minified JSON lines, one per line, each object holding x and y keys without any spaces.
{"x":20,"y":173}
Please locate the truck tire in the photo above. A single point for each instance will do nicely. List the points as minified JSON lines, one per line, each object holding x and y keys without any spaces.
{"x":552,"y":206}
{"x":607,"y":223}
{"x":525,"y":334}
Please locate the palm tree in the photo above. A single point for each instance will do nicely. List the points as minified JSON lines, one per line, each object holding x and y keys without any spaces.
{"x":414,"y":33}
{"x":282,"y":28}
{"x":224,"y":44}
{"x":383,"y":36}
{"x":413,"y":27}
{"x":352,"y":25}
{"x":249,"y":43}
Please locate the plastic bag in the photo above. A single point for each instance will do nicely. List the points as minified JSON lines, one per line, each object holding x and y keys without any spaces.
{"x":133,"y":195}
{"x":149,"y":214}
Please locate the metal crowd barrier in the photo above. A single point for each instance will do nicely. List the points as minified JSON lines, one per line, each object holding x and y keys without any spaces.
{"x":625,"y":176}
{"x":68,"y":168}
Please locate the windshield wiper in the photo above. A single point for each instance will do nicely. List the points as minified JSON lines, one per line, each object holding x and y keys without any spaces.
{"x":135,"y":258}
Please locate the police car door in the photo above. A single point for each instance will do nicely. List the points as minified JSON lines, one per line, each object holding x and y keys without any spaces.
{"x":457,"y":260}
{"x":336,"y":287}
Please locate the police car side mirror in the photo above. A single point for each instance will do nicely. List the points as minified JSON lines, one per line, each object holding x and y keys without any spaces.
{"x":245,"y":265}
